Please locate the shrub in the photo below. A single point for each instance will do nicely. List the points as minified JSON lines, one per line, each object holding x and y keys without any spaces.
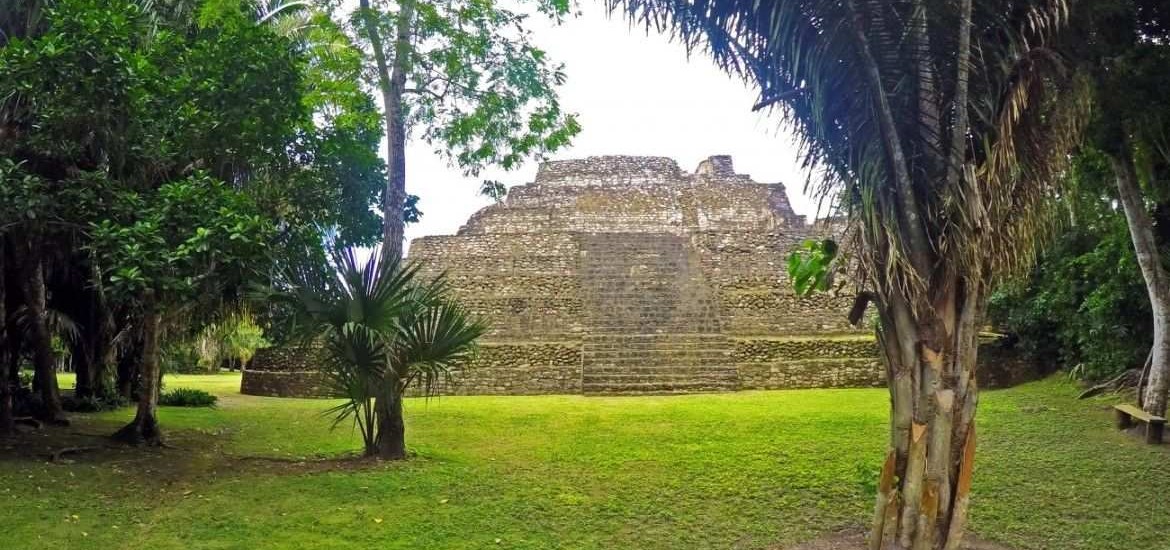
{"x":187,"y":397}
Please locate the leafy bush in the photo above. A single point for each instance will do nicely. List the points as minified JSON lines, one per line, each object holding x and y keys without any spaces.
{"x":187,"y":397}
{"x":181,"y":358}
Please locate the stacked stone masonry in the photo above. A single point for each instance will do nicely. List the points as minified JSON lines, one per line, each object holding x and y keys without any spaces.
{"x":286,"y":371}
{"x":623,"y":274}
{"x":618,"y":274}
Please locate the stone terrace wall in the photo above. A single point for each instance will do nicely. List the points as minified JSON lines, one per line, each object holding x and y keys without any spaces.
{"x":525,"y":283}
{"x":766,"y":364}
{"x":510,"y":369}
{"x":286,"y":371}
{"x":646,"y":269}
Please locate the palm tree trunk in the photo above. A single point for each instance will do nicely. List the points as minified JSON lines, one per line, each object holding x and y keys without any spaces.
{"x":1145,"y":245}
{"x":390,"y":437}
{"x":144,"y":428}
{"x":392,"y":84}
{"x":44,"y":360}
{"x":926,"y":479}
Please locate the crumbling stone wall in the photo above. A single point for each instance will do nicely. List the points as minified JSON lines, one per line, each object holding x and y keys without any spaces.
{"x":660,"y":277}
{"x":506,"y":369}
{"x":627,"y":274}
{"x":286,"y":371}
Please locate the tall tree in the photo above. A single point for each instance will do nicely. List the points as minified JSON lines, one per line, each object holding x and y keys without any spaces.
{"x":942,"y":126}
{"x":1123,"y":45}
{"x":183,"y":242}
{"x":101,"y":101}
{"x":467,"y":76}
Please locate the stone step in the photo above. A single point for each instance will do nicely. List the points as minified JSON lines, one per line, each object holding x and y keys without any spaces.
{"x":643,"y":388}
{"x":675,"y":375}
{"x":642,"y":350}
{"x":659,"y":328}
{"x":662,"y":337}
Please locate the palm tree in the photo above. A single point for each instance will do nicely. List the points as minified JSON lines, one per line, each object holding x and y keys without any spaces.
{"x":941,"y":128}
{"x":384,"y":331}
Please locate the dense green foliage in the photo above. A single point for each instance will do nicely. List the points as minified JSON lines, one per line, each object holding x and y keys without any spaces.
{"x":750,"y":470}
{"x":1084,"y":303}
{"x":187,"y":397}
{"x":478,"y":89}
{"x":159,"y":158}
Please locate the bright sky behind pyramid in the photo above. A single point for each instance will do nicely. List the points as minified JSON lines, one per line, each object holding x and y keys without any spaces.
{"x":634,"y":95}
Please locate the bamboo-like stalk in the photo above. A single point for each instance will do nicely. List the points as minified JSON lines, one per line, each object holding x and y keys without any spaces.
{"x":912,"y":486}
{"x":938,"y":484}
{"x":962,"y":493}
{"x":884,"y":497}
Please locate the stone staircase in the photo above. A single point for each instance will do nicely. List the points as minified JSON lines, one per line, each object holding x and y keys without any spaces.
{"x":653,"y":322}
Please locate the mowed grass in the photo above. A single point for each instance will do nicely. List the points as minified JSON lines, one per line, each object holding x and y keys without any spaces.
{"x":744,"y":470}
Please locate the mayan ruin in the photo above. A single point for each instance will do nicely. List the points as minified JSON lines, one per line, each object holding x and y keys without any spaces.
{"x":625,"y":274}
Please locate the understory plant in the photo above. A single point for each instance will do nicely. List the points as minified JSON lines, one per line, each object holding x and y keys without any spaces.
{"x":384,"y":330}
{"x":187,"y":397}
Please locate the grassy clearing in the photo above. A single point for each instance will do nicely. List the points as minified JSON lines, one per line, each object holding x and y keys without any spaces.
{"x":745,"y":470}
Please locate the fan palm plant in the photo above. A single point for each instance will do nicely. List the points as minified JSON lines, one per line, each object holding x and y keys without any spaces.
{"x":384,"y":331}
{"x":941,"y":128}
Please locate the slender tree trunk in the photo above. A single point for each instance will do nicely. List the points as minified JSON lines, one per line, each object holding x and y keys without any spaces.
{"x":102,"y":346}
{"x":925,"y":481}
{"x":392,"y":83}
{"x":81,"y":360}
{"x":44,"y":360}
{"x":390,"y":435}
{"x":129,"y":365}
{"x":144,"y":428}
{"x":6,"y":388}
{"x":1141,"y":231}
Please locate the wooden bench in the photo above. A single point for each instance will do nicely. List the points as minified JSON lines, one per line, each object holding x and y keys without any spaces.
{"x":1126,"y":414}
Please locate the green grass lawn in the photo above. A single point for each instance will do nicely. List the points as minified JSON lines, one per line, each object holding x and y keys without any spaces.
{"x":744,"y":470}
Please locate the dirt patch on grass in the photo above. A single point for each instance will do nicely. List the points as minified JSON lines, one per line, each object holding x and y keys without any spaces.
{"x":854,"y":539}
{"x":189,"y":456}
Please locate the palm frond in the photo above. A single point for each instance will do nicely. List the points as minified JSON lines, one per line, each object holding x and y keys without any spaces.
{"x":433,"y":342}
{"x":941,"y":126}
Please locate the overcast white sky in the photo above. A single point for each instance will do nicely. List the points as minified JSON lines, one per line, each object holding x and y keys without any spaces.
{"x":634,"y":95}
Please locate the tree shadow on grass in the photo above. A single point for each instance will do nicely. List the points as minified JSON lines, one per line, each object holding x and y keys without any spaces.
{"x":854,"y":539}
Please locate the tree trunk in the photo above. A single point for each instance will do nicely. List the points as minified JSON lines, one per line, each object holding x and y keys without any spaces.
{"x":102,"y":347}
{"x":129,"y":365}
{"x":6,"y":388}
{"x":44,"y":360}
{"x":1141,"y":231}
{"x":390,"y":437}
{"x":144,"y":428}
{"x":926,"y":479}
{"x":81,"y":360}
{"x":392,"y":84}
